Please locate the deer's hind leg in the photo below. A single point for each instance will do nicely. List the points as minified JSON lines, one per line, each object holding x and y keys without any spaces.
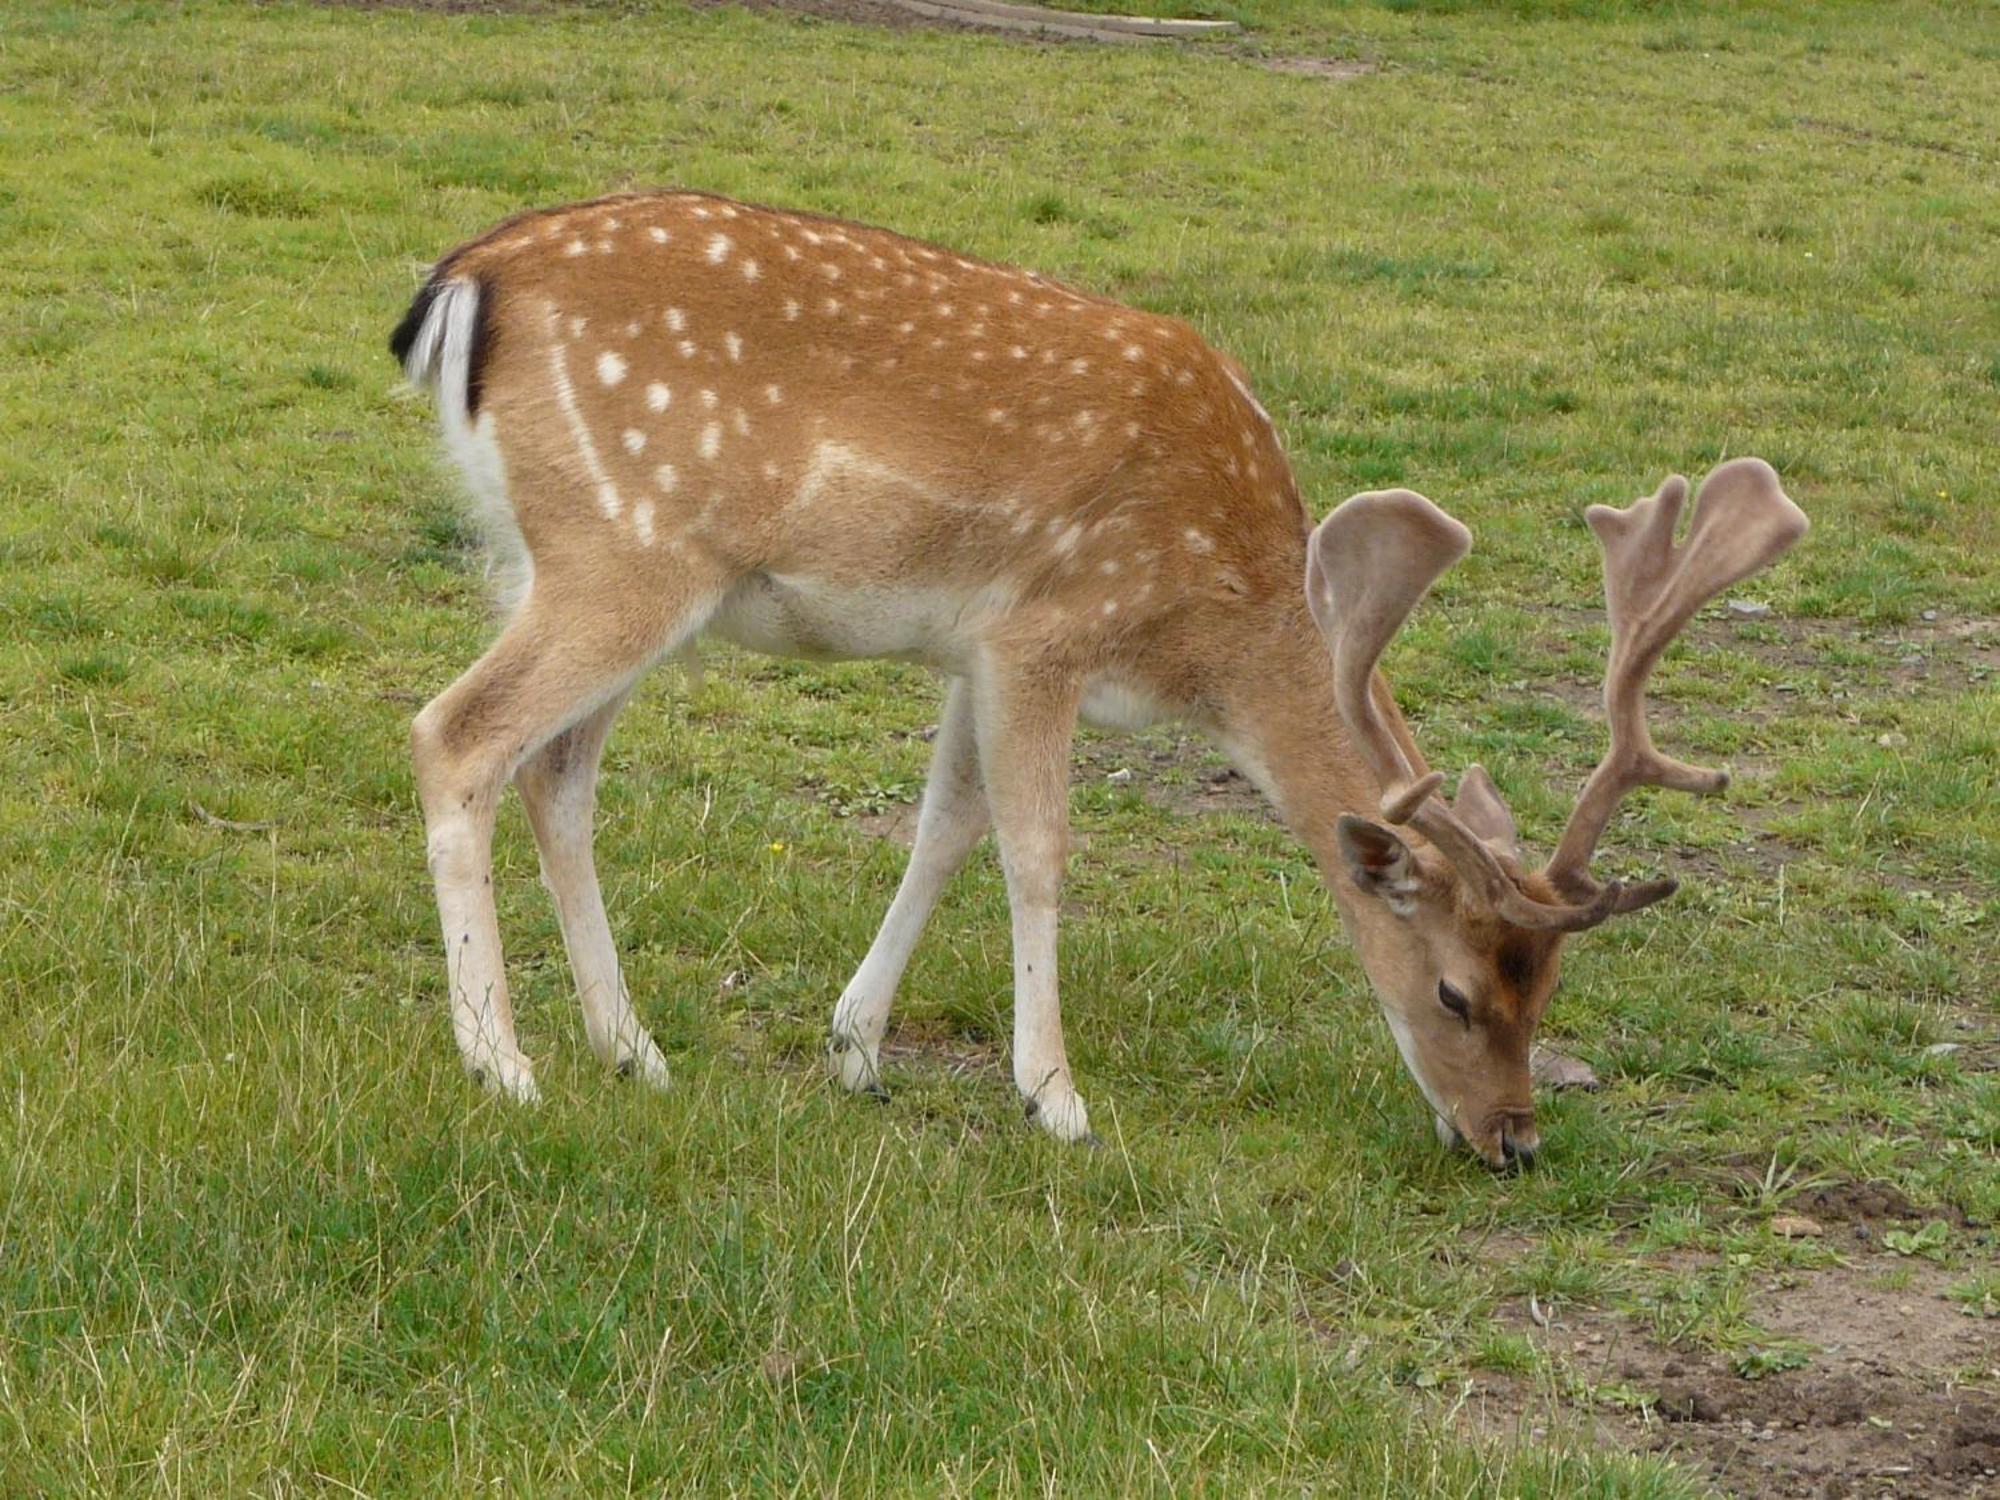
{"x":558,"y":786}
{"x":569,"y":655}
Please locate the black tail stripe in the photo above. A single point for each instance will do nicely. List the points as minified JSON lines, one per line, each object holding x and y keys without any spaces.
{"x":405,"y":336}
{"x":482,"y":345}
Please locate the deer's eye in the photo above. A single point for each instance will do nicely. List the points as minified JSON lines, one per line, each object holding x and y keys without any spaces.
{"x":1455,"y":1002}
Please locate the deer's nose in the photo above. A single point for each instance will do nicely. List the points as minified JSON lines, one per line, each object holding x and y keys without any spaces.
{"x":1519,"y":1143}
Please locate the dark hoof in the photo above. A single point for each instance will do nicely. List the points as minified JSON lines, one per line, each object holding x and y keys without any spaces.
{"x":1032,"y":1108}
{"x":1094,"y":1141}
{"x":478,"y":1076}
{"x":627,"y":1068}
{"x":876,"y":1092}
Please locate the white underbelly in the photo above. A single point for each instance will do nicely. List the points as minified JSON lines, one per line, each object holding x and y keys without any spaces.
{"x":790,"y":616}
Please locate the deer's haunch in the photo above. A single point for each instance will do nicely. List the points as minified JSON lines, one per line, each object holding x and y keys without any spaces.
{"x":679,"y":415}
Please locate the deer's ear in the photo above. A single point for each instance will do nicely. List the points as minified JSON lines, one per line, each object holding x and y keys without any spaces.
{"x":1380,"y":863}
{"x":1479,"y":807}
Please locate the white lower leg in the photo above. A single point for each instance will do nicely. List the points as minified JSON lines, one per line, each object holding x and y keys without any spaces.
{"x":1025,"y":725}
{"x":1041,"y":1062}
{"x":460,"y":850}
{"x":949,"y":826}
{"x":558,"y":786}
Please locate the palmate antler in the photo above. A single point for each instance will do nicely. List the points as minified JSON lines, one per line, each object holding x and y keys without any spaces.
{"x":1376,"y":555}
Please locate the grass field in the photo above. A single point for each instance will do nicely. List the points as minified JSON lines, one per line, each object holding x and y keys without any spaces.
{"x":259,"y":1236}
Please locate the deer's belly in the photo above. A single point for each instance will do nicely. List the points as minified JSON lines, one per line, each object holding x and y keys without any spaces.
{"x":789,"y":616}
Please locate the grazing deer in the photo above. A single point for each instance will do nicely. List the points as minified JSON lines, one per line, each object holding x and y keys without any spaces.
{"x":680,"y":415}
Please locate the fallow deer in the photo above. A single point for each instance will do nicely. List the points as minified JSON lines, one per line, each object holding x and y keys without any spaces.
{"x":682,"y":416}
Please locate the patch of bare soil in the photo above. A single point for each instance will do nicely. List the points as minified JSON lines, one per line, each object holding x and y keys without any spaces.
{"x":1896,"y":1396}
{"x":1335,"y":69}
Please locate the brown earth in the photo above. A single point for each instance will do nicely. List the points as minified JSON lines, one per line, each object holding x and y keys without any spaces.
{"x":1868,"y":1378}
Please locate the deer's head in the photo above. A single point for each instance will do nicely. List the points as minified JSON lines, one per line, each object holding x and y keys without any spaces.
{"x":1461,"y":940}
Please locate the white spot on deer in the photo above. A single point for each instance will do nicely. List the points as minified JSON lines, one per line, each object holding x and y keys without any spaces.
{"x":771,"y":469}
{"x":733,"y":342}
{"x":945,"y":309}
{"x":709,"y":400}
{"x":1078,"y":366}
{"x":1199,"y":541}
{"x":631,"y":330}
{"x":996,"y":415}
{"x":906,"y":328}
{"x":659,"y":235}
{"x":575,"y":247}
{"x":586,"y":449}
{"x":658,"y":396}
{"x":667,"y":477}
{"x":576,"y":327}
{"x":831,"y":307}
{"x":978,"y":355}
{"x":740,"y":420}
{"x":792,"y":252}
{"x":751,"y":270}
{"x":1183,"y":377}
{"x":687,"y":348}
{"x":718,"y":249}
{"x":1066,"y":543}
{"x":1017,"y":352}
{"x":677,"y":321}
{"x":642,"y":522}
{"x":1110,"y":607}
{"x":727,"y":211}
{"x":1244,"y":391}
{"x":1131,"y":429}
{"x":791,"y":309}
{"x":1108,"y":567}
{"x":701,"y":212}
{"x":1134,"y":353}
{"x":812,"y":236}
{"x":634,"y":440}
{"x":829,"y":270}
{"x":610,"y":367}
{"x":711,"y":441}
{"x":773,"y":395}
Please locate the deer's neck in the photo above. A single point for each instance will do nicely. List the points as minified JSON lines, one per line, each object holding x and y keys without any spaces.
{"x":1282,"y":728}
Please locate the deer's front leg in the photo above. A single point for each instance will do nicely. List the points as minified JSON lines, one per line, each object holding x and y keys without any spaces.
{"x":950,"y":825}
{"x":1025,"y":721}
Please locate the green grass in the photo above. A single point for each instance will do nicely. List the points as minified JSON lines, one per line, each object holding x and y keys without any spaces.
{"x":259,"y":1236}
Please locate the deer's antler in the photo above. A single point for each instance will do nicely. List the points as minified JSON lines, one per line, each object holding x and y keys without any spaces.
{"x":1371,"y":561}
{"x":1367,"y":566}
{"x":1743,"y":521}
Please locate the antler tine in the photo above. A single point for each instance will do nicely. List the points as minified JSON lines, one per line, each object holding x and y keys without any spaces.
{"x":1743,"y":522}
{"x":1368,"y":564}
